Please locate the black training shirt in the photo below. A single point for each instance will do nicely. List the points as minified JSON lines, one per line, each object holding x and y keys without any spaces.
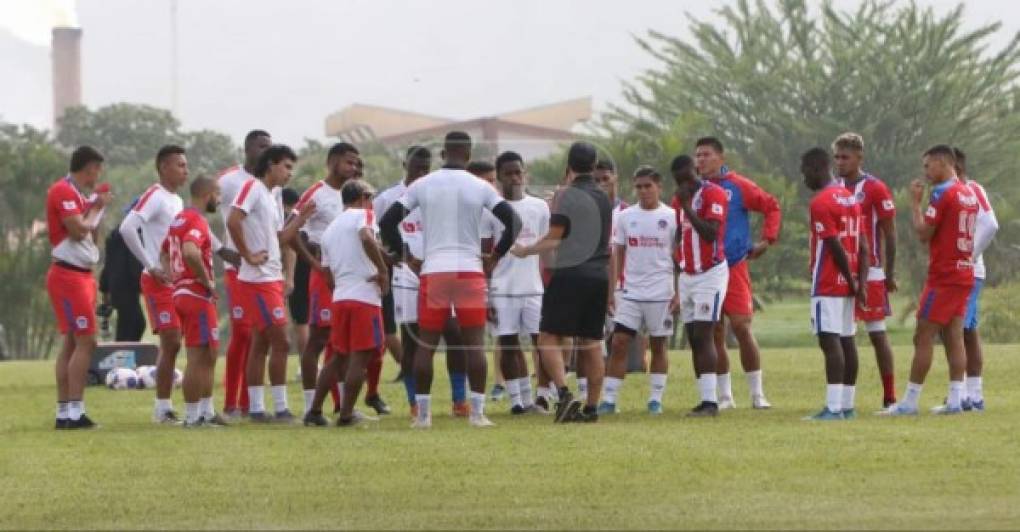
{"x":584,"y":212}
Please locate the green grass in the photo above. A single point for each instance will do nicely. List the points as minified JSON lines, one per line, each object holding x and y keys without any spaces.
{"x":744,"y":470}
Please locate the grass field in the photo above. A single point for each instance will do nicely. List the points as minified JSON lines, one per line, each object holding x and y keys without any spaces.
{"x":744,"y":470}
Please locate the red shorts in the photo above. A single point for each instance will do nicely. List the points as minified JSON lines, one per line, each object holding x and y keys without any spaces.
{"x":878,"y":307}
{"x":159,"y":303}
{"x":235,"y":297}
{"x":73,"y":295}
{"x":739,"y":296}
{"x":356,"y":326}
{"x":464,"y":292}
{"x":198,"y":321}
{"x":941,"y":303}
{"x":264,"y":304}
{"x":320,"y":299}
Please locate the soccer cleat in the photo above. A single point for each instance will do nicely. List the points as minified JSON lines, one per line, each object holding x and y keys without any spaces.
{"x":945,"y":410}
{"x":61,"y":424}
{"x":81,"y":423}
{"x":420,"y":423}
{"x":518,"y":410}
{"x":348,"y":422}
{"x":966,"y":404}
{"x":284,"y":416}
{"x":727,"y":403}
{"x":897,"y":410}
{"x":584,"y":415}
{"x":314,"y":418}
{"x":759,"y":402}
{"x":193,"y":425}
{"x":561,"y":407}
{"x":849,"y":413}
{"x":568,"y":413}
{"x":480,"y":421}
{"x":704,"y":409}
{"x":498,"y":392}
{"x":168,"y":417}
{"x":606,"y":408}
{"x":232,"y":414}
{"x":461,"y":409}
{"x":826,"y":415}
{"x":888,"y":401}
{"x":259,"y":417}
{"x":977,"y":406}
{"x":654,"y":407}
{"x":363,"y":416}
{"x":542,"y":405}
{"x":215,"y":421}
{"x":376,"y":403}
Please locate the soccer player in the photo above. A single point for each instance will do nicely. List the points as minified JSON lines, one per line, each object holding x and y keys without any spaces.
{"x":187,"y":258}
{"x":451,"y":202}
{"x":255,"y":222}
{"x":144,"y":230}
{"x":643,"y":246}
{"x":235,"y":400}
{"x":839,"y":260}
{"x":744,"y":197}
{"x":72,"y":219}
{"x":878,"y":223}
{"x":353,"y":260}
{"x":515,"y":289}
{"x":577,"y":298}
{"x":947,"y":226}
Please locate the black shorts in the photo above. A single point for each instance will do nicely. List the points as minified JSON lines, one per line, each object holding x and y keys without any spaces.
{"x":298,"y":299}
{"x":575,"y":305}
{"x":389,"y":322}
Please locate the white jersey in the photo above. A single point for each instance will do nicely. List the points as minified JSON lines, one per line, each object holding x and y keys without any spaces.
{"x":328,"y":205}
{"x":262,"y":224}
{"x":522,"y":277}
{"x":648,"y":237}
{"x":411,"y":233}
{"x":343,"y":254}
{"x":985,"y":227}
{"x":230,"y":182}
{"x":155,"y":210}
{"x":451,"y":202}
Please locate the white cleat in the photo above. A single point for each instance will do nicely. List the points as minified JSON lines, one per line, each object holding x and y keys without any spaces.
{"x":727,"y":403}
{"x":422,"y":424}
{"x":480,"y":420}
{"x":759,"y":402}
{"x":361,"y":416}
{"x":897,"y":410}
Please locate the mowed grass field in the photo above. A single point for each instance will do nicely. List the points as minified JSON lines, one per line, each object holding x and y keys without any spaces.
{"x":746,"y":469}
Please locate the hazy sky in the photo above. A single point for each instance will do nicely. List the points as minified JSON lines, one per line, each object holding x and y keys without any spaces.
{"x":284,"y":66}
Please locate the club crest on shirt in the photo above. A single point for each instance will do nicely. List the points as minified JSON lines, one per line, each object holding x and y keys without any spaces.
{"x":663,"y":224}
{"x":237,"y":312}
{"x":717,"y":209}
{"x":859,"y":196}
{"x":82,"y":322}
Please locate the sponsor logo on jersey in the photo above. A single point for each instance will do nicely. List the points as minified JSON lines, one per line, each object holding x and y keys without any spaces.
{"x":69,"y":205}
{"x":888,"y":204}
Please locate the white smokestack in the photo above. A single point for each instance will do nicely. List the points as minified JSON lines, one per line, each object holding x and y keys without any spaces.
{"x":66,"y":54}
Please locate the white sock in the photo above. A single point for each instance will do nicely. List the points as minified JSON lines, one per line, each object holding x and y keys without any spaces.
{"x":205,"y":407}
{"x":725,"y":386}
{"x":849,"y":394}
{"x":513,"y":389}
{"x":75,"y":409}
{"x":478,"y":402}
{"x":582,"y":387}
{"x":955,"y":389}
{"x":912,"y":395}
{"x":424,"y":402}
{"x":834,"y":397}
{"x":61,"y":410}
{"x":191,"y":413}
{"x":309,"y":397}
{"x":543,"y":391}
{"x":975,"y":390}
{"x":611,"y":389}
{"x":256,"y":399}
{"x":279,"y":397}
{"x":164,"y":405}
{"x":707,"y":383}
{"x":754,"y":384}
{"x":526,"y":398}
{"x":657,"y":385}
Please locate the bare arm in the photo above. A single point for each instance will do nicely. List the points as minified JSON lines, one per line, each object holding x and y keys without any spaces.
{"x":234,"y":220}
{"x":291,"y":235}
{"x":549,"y":242}
{"x":923,"y":230}
{"x":193,"y":258}
{"x":888,"y":229}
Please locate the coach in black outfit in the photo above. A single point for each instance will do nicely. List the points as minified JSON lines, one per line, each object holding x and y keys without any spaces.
{"x":575,"y":302}
{"x":118,"y":283}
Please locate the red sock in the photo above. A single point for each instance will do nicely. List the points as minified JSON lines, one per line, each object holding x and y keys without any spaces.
{"x":374,"y":371}
{"x":889,"y":387}
{"x":234,"y":377}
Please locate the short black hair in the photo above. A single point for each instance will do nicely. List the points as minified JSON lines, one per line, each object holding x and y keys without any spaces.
{"x":289,"y":196}
{"x":816,"y":158}
{"x":961,"y":158}
{"x":649,"y":172}
{"x":355,"y":189}
{"x":480,"y":167}
{"x":167,"y":151}
{"x":417,"y":152}
{"x":201,"y":185}
{"x":942,"y":150}
{"x":83,"y":156}
{"x":273,"y":155}
{"x":341,"y":148}
{"x":508,"y":156}
{"x":605,"y":164}
{"x":581,"y":157}
{"x":680,"y":162}
{"x":712,"y":142}
{"x":457,"y":141}
{"x":254,"y":134}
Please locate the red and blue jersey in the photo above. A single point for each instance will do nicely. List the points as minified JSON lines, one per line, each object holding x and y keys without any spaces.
{"x":188,"y":226}
{"x":952,"y":211}
{"x":695,"y":255}
{"x":745,"y":197}
{"x":835,"y":213}
{"x":877,"y":205}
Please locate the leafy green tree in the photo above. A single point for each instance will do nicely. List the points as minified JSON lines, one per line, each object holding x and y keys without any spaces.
{"x":125,"y":133}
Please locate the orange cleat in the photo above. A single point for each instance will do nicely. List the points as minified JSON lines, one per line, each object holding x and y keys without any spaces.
{"x":461,"y":409}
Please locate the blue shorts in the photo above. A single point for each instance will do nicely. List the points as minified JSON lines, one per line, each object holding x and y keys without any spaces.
{"x":970,"y":322}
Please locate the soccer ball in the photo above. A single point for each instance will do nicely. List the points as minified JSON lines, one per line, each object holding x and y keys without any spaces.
{"x":146,"y":377}
{"x":121,"y":379}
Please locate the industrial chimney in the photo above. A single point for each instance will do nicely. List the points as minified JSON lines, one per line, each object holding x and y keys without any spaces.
{"x":66,"y":70}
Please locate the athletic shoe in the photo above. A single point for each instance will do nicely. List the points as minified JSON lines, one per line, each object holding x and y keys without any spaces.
{"x":284,"y":416}
{"x":849,"y":413}
{"x":168,"y":417}
{"x":198,"y":423}
{"x":480,"y":421}
{"x":542,"y":406}
{"x":727,"y":403}
{"x":352,"y":421}
{"x":232,"y":414}
{"x":518,"y":410}
{"x":888,"y":401}
{"x":606,"y":408}
{"x":461,"y":409}
{"x":259,"y":417}
{"x":376,"y":403}
{"x":569,"y":413}
{"x":498,"y":392}
{"x":81,"y":423}
{"x":826,"y":415}
{"x":897,"y":410}
{"x":704,"y":409}
{"x":944,"y":410}
{"x":977,"y":406}
{"x":759,"y":402}
{"x":314,"y":418}
{"x":562,"y":406}
{"x":654,"y":407}
{"x":966,"y":404}
{"x":584,"y":415}
{"x":363,"y":416}
{"x":61,"y":424}
{"x":422,"y":423}
{"x":216,"y":421}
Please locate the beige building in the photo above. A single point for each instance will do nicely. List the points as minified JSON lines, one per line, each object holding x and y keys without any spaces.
{"x":534,"y":132}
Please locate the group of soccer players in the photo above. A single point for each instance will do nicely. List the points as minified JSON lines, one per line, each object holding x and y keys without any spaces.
{"x":451,"y":253}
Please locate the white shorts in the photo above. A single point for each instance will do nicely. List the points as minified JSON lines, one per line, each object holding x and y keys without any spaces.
{"x":702,"y":294}
{"x":653,"y":315}
{"x":405,"y":305}
{"x":516,"y":315}
{"x":833,"y":315}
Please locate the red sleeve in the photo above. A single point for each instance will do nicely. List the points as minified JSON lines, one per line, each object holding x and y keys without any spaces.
{"x":64,"y":201}
{"x":757,"y":200}
{"x":714,"y":205}
{"x":883,"y":202}
{"x":822,"y":222}
{"x":936,"y":209}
